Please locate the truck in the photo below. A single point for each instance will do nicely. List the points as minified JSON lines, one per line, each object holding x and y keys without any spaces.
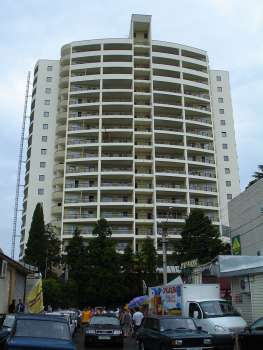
{"x":201,"y":302}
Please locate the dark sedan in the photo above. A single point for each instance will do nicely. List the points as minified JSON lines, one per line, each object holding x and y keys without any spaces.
{"x":104,"y":329}
{"x":252,"y":337}
{"x":171,"y":332}
{"x":40,"y":332}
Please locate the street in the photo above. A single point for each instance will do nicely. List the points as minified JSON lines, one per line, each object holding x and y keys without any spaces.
{"x":129,"y":344}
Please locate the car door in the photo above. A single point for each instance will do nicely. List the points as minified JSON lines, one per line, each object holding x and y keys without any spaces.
{"x":146,"y":332}
{"x":255,"y":338}
{"x":154,"y":336}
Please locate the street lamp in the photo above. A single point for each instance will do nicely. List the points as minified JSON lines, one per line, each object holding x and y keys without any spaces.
{"x":164,"y":246}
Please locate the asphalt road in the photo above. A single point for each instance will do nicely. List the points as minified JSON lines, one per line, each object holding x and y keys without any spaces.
{"x":129,"y":344}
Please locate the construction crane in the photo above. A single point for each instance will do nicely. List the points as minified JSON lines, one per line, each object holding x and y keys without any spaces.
{"x":19,"y":169}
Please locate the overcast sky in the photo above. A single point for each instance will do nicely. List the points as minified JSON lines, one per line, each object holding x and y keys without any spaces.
{"x":230,"y":30}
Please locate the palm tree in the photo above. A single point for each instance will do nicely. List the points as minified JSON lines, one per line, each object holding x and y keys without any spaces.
{"x":257,"y":176}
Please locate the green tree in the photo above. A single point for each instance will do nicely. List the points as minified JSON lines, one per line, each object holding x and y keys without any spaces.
{"x":200,"y":240}
{"x":130,"y":280}
{"x":53,"y":257}
{"x":104,"y":282}
{"x":35,"y":252}
{"x":52,"y":291}
{"x":257,"y":176}
{"x":76,"y":255}
{"x":149,"y":261}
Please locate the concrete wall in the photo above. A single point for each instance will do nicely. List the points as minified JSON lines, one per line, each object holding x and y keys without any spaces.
{"x":224,"y":134}
{"x":246,"y":219}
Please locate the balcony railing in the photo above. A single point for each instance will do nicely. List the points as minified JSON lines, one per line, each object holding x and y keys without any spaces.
{"x":79,"y":216}
{"x":169,"y":116}
{"x":81,"y":127}
{"x":81,"y":155}
{"x":116,"y":199}
{"x":198,"y":119}
{"x":202,"y":173}
{"x":81,"y":141}
{"x":173,"y":216}
{"x":202,"y":108}
{"x":166,"y":142}
{"x":116,"y":184}
{"x":79,"y":185}
{"x":75,"y":115}
{"x":204,"y":203}
{"x":168,"y":129}
{"x":117,"y":155}
{"x":116,"y":215}
{"x":81,"y":170}
{"x":79,"y":200}
{"x":197,"y":94}
{"x":170,"y":171}
{"x":170,"y":186}
{"x":112,"y":170}
{"x":82,"y":101}
{"x":200,"y":160}
{"x":200,"y":132}
{"x":201,"y":145}
{"x":169,"y":157}
{"x":205,"y":188}
{"x":117,"y":141}
{"x":171,"y":200}
{"x":80,"y":88}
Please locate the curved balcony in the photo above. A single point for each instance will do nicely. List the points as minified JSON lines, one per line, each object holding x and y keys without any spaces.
{"x":202,"y":147}
{"x":56,"y":195}
{"x":61,"y":129}
{"x":202,"y":188}
{"x":58,"y":181}
{"x":170,"y":187}
{"x":204,"y":203}
{"x":59,"y":167}
{"x":61,"y":117}
{"x":56,"y":210}
{"x":59,"y":155}
{"x":204,"y":174}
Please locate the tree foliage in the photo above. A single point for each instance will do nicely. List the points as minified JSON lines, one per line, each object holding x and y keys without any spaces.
{"x":200,"y":240}
{"x":35,"y":252}
{"x":257,"y":176}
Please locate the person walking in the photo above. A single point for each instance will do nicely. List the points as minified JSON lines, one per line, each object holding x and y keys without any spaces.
{"x":12,"y":307}
{"x":137,"y":319}
{"x":127,"y":323}
{"x":20,"y":307}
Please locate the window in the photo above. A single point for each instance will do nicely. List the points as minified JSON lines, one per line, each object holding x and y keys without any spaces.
{"x":145,"y":35}
{"x":40,"y":191}
{"x":228,"y":183}
{"x":221,"y":111}
{"x":223,"y":133}
{"x":47,"y":102}
{"x":42,"y":164}
{"x":220,"y":99}
{"x":46,"y":114}
{"x":45,"y":126}
{"x":194,"y":307}
{"x":229,"y":196}
{"x":218,"y":78}
{"x":222,"y":122}
{"x":43,"y":151}
{"x":225,"y":146}
{"x":47,"y":90}
{"x":41,"y":177}
{"x":49,"y":68}
{"x":227,"y":170}
{"x":226,"y":158}
{"x":49,"y":79}
{"x":219,"y":89}
{"x":44,"y":138}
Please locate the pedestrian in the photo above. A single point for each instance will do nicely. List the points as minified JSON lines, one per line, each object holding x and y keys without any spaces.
{"x":127,"y":323}
{"x":20,"y":307}
{"x":137,"y":319}
{"x":12,"y":307}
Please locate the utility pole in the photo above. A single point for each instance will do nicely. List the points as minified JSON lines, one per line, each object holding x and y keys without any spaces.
{"x":164,"y":244}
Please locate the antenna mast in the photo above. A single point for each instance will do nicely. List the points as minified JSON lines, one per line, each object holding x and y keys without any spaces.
{"x":19,"y":167}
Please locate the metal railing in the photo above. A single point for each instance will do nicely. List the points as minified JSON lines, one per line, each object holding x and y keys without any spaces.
{"x":201,"y":145}
{"x":203,"y":203}
{"x":205,"y":188}
{"x":202,"y":173}
{"x":81,"y":170}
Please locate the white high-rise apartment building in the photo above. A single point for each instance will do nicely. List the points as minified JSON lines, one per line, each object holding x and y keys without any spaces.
{"x":134,"y":130}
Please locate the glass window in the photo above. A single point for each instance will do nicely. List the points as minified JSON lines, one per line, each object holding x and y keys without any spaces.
{"x":194,"y":307}
{"x":105,"y":320}
{"x":229,"y":196}
{"x":227,"y":170}
{"x":218,"y":78}
{"x":43,"y":151}
{"x":220,"y":99}
{"x":49,"y":79}
{"x":258,"y":325}
{"x":42,"y":164}
{"x":44,"y":138}
{"x":49,"y":68}
{"x":218,"y":308}
{"x":41,"y":177}
{"x":223,"y":133}
{"x":221,"y":111}
{"x":226,"y":158}
{"x":225,"y":146}
{"x":176,"y":323}
{"x":42,"y":329}
{"x":47,"y":90}
{"x":47,"y":102}
{"x":40,"y":191}
{"x":46,"y":114}
{"x":228,"y":183}
{"x":222,"y":122}
{"x":219,"y":89}
{"x":45,"y":126}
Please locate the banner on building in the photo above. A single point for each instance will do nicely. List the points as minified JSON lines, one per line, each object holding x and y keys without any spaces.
{"x":34,"y":299}
{"x":236,"y":245}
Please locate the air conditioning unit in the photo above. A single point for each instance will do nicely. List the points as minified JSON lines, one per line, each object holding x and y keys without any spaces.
{"x":245,"y":285}
{"x":3,"y":268}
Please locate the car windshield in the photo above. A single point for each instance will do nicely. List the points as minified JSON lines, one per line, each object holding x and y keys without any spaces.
{"x":9,"y":321}
{"x":177,"y":323}
{"x":42,"y":329}
{"x":218,"y":308}
{"x":105,"y":320}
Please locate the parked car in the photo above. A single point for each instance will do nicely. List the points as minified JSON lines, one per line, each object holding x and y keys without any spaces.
{"x":104,"y":329}
{"x":40,"y":332}
{"x":252,"y":337}
{"x":170,"y":332}
{"x":67,"y":316}
{"x":6,"y":328}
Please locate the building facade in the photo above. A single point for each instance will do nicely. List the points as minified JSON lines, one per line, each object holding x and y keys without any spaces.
{"x":133,"y":138}
{"x":246,"y":220}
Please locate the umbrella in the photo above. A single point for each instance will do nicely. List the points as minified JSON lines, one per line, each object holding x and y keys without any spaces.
{"x":138,"y":301}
